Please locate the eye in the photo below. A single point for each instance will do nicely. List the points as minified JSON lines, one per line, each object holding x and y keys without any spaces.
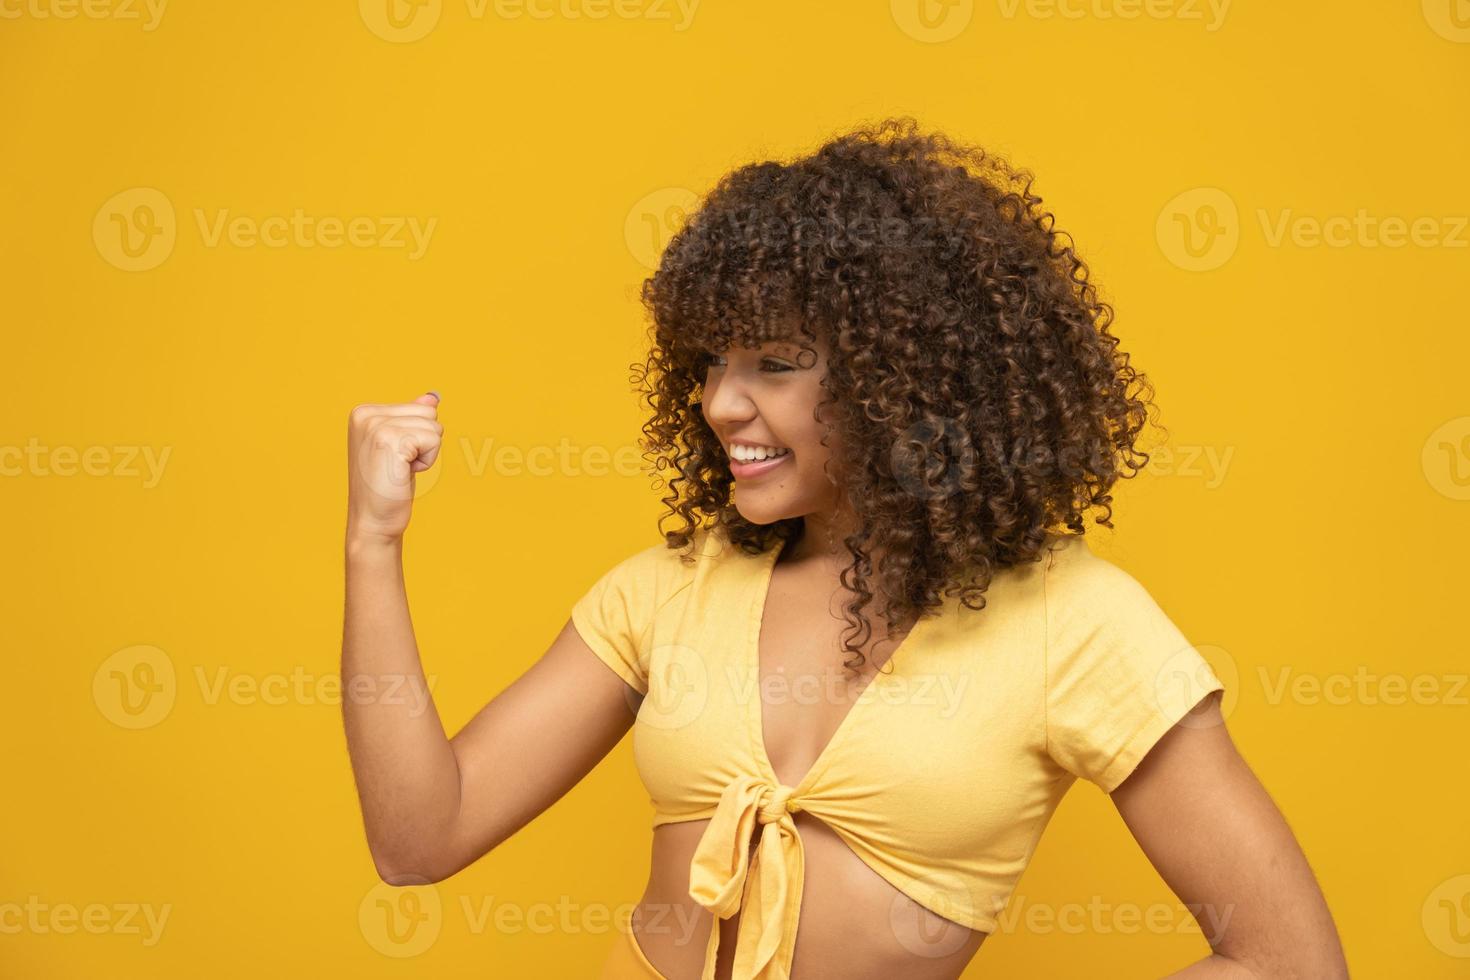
{"x":767,"y":364}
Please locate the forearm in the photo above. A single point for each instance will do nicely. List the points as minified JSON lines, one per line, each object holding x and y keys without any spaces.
{"x":406,"y":772}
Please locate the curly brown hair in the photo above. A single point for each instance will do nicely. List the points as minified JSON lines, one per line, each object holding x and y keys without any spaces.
{"x":980,"y":399}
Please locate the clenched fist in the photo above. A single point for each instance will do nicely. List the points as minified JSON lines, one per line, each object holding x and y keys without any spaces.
{"x":386,"y":446}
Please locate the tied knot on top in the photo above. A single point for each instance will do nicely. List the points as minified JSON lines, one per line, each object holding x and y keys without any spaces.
{"x":778,"y":804}
{"x":763,"y":883}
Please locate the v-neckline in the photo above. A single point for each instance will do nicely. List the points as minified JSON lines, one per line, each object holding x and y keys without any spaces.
{"x":765,"y":573}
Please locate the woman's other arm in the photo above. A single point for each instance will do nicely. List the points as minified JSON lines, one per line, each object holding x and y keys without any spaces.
{"x":1217,"y":839}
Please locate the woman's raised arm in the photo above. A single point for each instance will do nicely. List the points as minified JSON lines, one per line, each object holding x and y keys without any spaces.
{"x":433,"y":805}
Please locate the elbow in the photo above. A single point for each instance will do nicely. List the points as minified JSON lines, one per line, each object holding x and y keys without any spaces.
{"x":405,"y":870}
{"x":426,"y":857}
{"x":1307,"y":961}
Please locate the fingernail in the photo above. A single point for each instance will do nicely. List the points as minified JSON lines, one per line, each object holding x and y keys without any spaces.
{"x":436,"y":394}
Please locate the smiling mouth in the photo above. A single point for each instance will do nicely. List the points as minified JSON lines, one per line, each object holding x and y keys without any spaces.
{"x":778,"y":451}
{"x":755,"y":467}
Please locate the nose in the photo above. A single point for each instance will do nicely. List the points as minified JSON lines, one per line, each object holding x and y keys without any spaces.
{"x":726,"y":402}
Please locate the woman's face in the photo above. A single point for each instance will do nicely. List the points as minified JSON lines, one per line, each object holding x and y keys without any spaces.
{"x":765,"y":397}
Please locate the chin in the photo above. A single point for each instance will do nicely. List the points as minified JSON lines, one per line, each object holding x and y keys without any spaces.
{"x":761,"y":511}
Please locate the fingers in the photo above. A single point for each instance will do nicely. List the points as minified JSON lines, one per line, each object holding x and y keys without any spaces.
{"x":417,"y":444}
{"x":424,"y":406}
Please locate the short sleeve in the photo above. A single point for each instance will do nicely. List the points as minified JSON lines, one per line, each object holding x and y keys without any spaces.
{"x":615,"y":616}
{"x":1119,"y":672}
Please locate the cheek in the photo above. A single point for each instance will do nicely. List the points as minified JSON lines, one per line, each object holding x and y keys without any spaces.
{"x":813,"y":458}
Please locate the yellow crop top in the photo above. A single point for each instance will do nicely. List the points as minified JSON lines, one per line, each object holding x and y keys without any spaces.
{"x":943,"y":773}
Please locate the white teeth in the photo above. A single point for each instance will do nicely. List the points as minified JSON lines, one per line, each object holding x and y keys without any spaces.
{"x":751,"y":454}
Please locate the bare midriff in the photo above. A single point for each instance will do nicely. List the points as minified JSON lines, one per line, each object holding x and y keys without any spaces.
{"x":853,"y":923}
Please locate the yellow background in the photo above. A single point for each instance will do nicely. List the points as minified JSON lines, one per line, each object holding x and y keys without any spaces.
{"x":1325,"y":537}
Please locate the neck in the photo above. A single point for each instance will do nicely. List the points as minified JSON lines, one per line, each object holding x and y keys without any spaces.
{"x":820,"y":541}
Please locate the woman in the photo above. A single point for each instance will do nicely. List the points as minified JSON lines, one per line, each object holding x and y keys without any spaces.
{"x":877,"y":652}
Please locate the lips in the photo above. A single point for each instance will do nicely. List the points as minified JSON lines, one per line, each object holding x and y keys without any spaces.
{"x":747,"y":471}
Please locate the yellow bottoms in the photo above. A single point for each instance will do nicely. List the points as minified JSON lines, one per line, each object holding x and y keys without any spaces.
{"x":627,"y":962}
